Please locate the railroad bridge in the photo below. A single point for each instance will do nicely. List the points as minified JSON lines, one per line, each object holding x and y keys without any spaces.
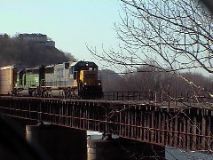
{"x":187,"y":126}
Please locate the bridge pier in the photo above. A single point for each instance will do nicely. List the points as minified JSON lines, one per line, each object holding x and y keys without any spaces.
{"x":123,"y":149}
{"x":59,"y":143}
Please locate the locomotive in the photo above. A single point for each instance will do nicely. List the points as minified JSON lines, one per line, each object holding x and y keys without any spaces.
{"x":68,"y":79}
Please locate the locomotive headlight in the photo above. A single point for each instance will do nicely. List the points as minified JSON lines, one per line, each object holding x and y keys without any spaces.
{"x":85,"y":83}
{"x":99,"y":83}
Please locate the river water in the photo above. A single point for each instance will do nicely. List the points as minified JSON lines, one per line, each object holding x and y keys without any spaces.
{"x":170,"y":153}
{"x":178,"y":154}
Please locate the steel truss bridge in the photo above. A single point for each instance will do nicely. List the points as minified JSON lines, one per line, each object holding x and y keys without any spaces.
{"x":187,"y":126}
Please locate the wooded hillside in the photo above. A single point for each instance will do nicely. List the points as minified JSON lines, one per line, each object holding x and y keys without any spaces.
{"x":16,"y":51}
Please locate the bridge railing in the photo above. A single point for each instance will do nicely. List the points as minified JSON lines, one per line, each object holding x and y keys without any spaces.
{"x":128,"y":95}
{"x":156,"y":96}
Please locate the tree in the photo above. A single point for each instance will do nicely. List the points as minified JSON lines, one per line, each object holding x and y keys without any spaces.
{"x":16,"y":51}
{"x":175,"y":35}
{"x":111,"y":81}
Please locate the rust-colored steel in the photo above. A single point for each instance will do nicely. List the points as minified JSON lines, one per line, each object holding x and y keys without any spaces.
{"x":186,"y":127}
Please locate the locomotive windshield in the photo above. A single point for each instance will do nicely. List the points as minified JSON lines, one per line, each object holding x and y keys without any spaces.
{"x":82,"y":65}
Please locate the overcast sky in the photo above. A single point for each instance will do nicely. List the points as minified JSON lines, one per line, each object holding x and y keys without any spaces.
{"x":70,"y":23}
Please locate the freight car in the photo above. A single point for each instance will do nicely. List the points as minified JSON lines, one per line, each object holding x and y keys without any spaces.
{"x":69,"y":79}
{"x":7,"y":79}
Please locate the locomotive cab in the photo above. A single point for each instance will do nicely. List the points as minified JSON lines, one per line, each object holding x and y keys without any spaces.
{"x":85,"y":79}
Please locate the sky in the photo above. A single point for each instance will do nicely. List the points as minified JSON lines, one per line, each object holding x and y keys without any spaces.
{"x":70,"y":23}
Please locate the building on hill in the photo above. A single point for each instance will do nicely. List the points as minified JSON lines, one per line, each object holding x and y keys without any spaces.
{"x":37,"y":38}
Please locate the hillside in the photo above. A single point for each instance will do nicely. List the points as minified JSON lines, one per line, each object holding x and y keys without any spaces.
{"x":15,"y":51}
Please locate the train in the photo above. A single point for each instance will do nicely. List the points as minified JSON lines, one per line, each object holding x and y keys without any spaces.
{"x":69,"y":79}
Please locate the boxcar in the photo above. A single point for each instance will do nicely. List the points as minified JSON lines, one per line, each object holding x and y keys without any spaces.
{"x":7,"y":80}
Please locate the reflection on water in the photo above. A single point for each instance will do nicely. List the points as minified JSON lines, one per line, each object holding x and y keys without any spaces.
{"x":178,"y":154}
{"x":170,"y":153}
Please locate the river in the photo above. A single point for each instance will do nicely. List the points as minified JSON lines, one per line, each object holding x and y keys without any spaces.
{"x":170,"y":153}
